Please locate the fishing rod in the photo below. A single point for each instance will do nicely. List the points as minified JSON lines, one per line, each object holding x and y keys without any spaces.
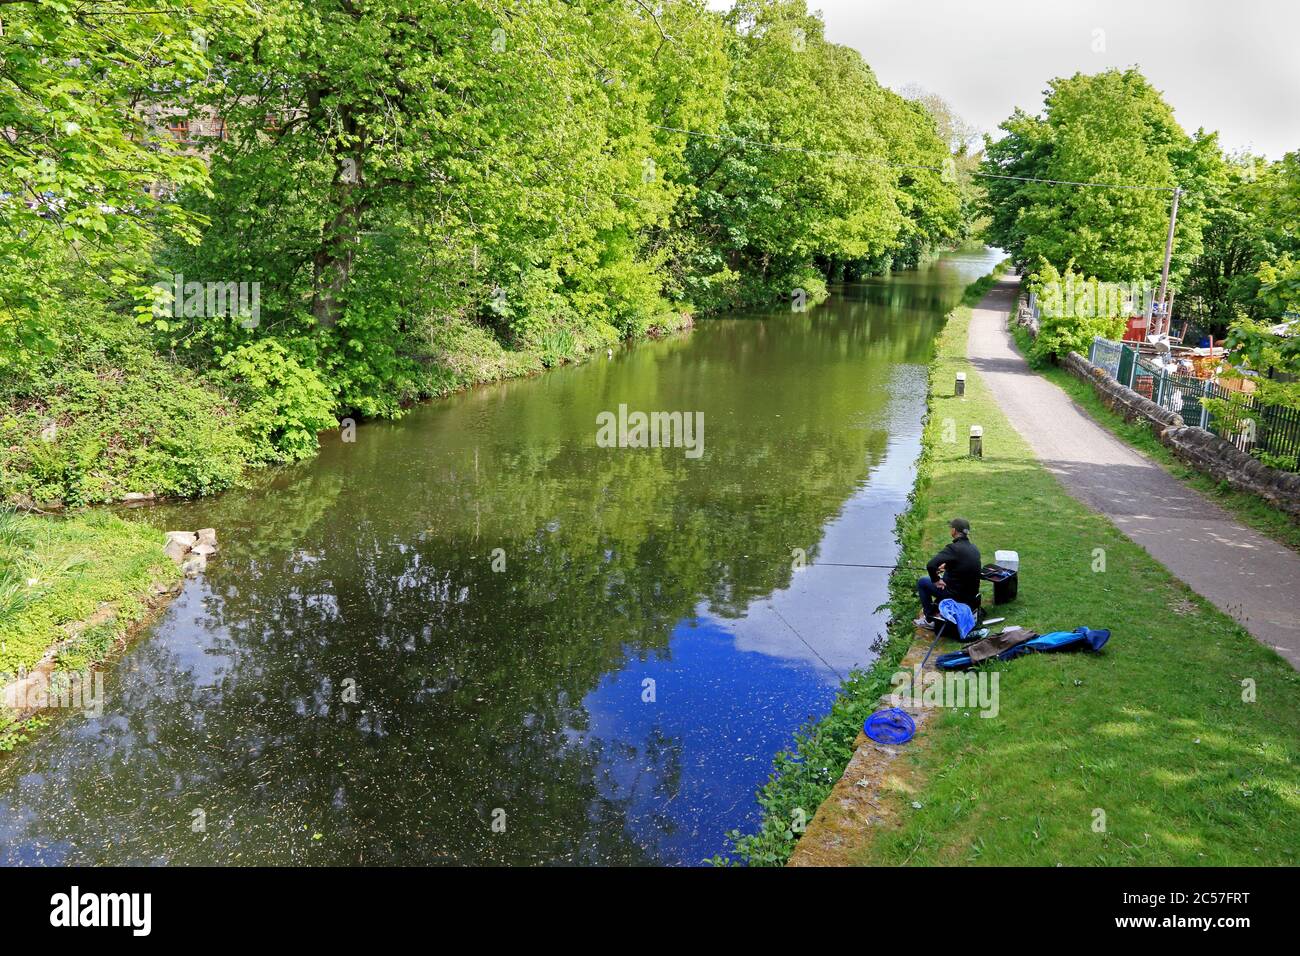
{"x":836,"y":564}
{"x":883,"y":567}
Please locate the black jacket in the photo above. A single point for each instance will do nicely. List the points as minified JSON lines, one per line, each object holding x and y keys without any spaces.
{"x":961,"y":577}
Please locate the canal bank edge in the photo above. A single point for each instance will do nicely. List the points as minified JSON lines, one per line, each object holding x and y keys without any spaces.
{"x":1177,"y":745}
{"x":91,"y":583}
{"x":803,"y":777}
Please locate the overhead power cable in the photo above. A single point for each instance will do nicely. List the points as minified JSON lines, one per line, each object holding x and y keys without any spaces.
{"x":857,"y":157}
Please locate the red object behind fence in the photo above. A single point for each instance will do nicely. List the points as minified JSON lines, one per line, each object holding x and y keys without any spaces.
{"x":1136,"y":330}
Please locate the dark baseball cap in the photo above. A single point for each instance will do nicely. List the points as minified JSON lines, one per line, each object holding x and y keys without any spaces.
{"x":959,"y":524}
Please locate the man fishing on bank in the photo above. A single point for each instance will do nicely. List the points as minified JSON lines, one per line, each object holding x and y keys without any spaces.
{"x":954,"y":573}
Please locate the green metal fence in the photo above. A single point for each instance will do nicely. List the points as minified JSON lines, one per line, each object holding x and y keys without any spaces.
{"x":1267,"y":431}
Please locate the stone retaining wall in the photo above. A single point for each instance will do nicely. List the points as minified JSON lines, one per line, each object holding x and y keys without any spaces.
{"x":1121,"y":398}
{"x":1223,"y":460}
{"x":1199,"y":448}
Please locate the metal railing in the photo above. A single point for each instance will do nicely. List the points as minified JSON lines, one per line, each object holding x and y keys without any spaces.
{"x":1271,"y":432}
{"x":1106,"y":354}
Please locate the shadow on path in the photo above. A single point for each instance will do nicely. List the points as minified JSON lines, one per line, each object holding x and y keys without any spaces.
{"x":1244,"y":573}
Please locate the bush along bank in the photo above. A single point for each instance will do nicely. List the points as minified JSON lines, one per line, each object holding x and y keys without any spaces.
{"x":1177,"y":745}
{"x":802,"y":777}
{"x":101,"y":415}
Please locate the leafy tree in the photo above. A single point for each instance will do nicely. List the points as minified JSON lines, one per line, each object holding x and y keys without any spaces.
{"x":1223,"y":282}
{"x":929,"y":186}
{"x":1112,"y":128}
{"x":1280,"y":277}
{"x":1274,"y":357}
{"x":827,"y":194}
{"x":1258,"y":343}
{"x":961,"y":137}
{"x":427,"y":194}
{"x":964,"y":143}
{"x":1074,"y":309}
{"x":82,"y":170}
{"x":1252,"y":240}
{"x":402,"y":163}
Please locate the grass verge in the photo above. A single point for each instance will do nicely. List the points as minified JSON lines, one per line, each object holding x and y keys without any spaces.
{"x":1249,"y":509}
{"x":802,"y":777}
{"x":1177,"y":745}
{"x":79,"y":582}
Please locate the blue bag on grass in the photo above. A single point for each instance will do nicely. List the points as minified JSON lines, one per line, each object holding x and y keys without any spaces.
{"x":1083,"y":639}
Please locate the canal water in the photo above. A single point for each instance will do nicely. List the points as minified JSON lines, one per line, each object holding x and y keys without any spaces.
{"x":475,"y":636}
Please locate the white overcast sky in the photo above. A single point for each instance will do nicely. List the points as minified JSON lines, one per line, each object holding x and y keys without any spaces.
{"x":1231,"y":65}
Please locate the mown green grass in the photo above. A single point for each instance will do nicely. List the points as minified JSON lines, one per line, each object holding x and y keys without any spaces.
{"x":57,"y":570}
{"x":1153,"y":732}
{"x":1250,"y":509}
{"x":71,"y":565}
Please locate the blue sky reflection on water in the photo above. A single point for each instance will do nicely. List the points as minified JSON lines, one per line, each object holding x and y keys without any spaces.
{"x":518,"y":691}
{"x":729,"y":693}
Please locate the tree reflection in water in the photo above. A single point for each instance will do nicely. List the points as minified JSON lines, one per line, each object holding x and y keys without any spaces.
{"x":520,"y":690}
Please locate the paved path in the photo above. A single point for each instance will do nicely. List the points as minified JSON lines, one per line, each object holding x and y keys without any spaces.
{"x":1247,"y":575}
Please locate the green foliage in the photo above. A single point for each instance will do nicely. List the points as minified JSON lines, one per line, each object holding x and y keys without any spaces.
{"x":1253,"y":346}
{"x":1224,"y":281}
{"x":15,"y":540}
{"x":1237,"y":239}
{"x":105,"y":415}
{"x":55,"y":573}
{"x":404,"y":180}
{"x":1280,"y":284}
{"x":282,"y":404}
{"x":1074,"y":309}
{"x":828,"y":194}
{"x":78,"y":158}
{"x":1280,"y":211}
{"x":14,"y":732}
{"x":1280,"y":462}
{"x":1111,"y":127}
{"x":369,"y":208}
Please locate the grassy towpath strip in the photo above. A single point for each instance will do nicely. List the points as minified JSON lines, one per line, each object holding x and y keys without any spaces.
{"x":72,"y":587}
{"x":1175,"y":746}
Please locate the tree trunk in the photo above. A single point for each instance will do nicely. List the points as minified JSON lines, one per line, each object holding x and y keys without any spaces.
{"x":332,"y":262}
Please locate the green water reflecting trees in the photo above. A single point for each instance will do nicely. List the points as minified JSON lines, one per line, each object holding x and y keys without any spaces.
{"x":374,"y":563}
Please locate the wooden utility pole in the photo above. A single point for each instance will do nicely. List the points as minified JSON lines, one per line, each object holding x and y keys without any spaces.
{"x":1167,"y":319}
